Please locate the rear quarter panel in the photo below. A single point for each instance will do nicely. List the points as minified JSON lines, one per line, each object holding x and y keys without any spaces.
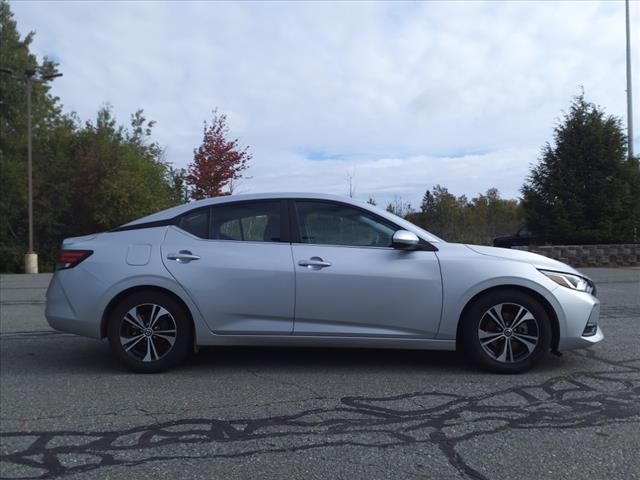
{"x":121,"y":261}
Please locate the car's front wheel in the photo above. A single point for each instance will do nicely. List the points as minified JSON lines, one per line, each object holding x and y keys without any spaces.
{"x":506,"y":331}
{"x":150,"y":332}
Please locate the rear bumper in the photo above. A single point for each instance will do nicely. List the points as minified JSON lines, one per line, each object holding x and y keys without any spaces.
{"x":61,"y":315}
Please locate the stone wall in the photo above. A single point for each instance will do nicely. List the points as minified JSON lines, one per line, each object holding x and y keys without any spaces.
{"x":622,"y":255}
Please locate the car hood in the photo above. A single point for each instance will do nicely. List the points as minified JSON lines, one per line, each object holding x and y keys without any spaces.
{"x":538,"y":261}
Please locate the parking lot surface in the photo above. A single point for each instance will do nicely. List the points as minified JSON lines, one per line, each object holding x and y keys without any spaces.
{"x":67,"y":409}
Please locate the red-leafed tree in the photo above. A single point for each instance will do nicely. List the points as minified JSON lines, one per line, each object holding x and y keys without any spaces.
{"x":218,"y":163}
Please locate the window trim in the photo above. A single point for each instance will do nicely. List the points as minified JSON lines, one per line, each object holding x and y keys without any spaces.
{"x":289,"y":231}
{"x":423,"y":245}
{"x":285,"y":231}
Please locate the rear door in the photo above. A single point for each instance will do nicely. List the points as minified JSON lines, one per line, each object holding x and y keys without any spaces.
{"x":234,"y":260}
{"x":351,"y":282}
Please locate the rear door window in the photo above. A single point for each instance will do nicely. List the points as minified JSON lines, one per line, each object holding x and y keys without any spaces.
{"x":248,"y":222}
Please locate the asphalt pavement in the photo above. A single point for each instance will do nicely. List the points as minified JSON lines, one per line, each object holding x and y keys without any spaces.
{"x":67,"y":409}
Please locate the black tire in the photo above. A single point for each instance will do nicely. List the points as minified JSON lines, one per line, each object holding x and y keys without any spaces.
{"x":152,"y":352}
{"x":520,"y":355}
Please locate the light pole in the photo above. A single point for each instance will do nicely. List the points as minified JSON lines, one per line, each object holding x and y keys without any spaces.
{"x":29,"y":76}
{"x":629,"y":100}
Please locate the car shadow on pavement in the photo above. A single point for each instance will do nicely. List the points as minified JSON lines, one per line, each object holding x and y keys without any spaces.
{"x":347,"y":360}
{"x":75,"y":355}
{"x":335,"y":359}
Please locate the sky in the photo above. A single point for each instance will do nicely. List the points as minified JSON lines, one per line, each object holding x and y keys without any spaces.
{"x":398,"y":96}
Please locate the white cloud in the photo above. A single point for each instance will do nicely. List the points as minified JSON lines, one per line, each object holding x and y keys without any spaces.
{"x":404,"y":94}
{"x":407,"y":177}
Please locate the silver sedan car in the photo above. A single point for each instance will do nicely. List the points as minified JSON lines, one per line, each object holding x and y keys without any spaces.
{"x":312,"y":270}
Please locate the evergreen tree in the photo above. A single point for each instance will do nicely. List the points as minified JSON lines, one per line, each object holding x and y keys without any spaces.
{"x":584,"y":189}
{"x":427,"y":202}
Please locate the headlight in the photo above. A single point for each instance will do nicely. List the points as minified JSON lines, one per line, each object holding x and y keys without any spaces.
{"x":568,"y":280}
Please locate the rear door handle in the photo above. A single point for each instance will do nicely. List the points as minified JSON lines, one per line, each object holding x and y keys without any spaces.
{"x":183,"y":256}
{"x":314,"y":263}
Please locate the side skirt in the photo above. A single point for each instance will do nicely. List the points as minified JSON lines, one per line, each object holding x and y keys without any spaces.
{"x":327,"y":341}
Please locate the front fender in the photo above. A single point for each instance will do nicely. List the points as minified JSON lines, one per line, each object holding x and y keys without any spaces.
{"x":463,"y":279}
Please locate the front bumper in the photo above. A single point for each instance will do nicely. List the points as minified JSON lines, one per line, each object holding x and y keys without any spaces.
{"x":577,"y":309}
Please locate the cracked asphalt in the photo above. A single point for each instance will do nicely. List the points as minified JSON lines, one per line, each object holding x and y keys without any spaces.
{"x":67,"y":409}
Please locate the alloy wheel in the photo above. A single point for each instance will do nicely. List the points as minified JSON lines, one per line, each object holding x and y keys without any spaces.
{"x":148,"y":332}
{"x":508,"y":332}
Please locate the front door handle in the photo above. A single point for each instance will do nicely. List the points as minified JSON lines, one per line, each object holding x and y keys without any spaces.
{"x":314,"y":263}
{"x":183,"y":256}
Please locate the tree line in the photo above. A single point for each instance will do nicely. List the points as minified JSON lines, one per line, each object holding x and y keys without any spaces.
{"x":459,"y":219}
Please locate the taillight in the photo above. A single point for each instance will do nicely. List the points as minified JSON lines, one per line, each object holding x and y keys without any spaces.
{"x":71,"y":258}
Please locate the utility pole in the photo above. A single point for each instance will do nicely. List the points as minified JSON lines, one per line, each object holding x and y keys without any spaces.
{"x":629,"y":97}
{"x":352,"y":189}
{"x":28,"y":77}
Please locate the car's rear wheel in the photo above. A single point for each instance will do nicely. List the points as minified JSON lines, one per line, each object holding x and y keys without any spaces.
{"x":506,"y":331}
{"x":150,"y":332}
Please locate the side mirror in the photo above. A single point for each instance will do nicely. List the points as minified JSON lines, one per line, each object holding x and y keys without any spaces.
{"x":405,"y":240}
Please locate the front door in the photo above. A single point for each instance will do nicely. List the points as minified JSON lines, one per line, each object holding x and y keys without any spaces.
{"x":350,"y":281}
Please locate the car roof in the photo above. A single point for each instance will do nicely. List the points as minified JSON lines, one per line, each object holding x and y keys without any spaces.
{"x":185,"y":207}
{"x":180,"y":209}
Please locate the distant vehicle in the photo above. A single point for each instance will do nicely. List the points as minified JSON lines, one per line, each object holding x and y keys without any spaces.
{"x":312,"y":270}
{"x":520,"y":239}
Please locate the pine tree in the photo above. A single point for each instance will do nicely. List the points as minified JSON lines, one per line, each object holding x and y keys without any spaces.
{"x":584,"y":188}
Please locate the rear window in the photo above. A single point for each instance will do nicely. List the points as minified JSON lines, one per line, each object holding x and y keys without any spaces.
{"x":196,"y":223}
